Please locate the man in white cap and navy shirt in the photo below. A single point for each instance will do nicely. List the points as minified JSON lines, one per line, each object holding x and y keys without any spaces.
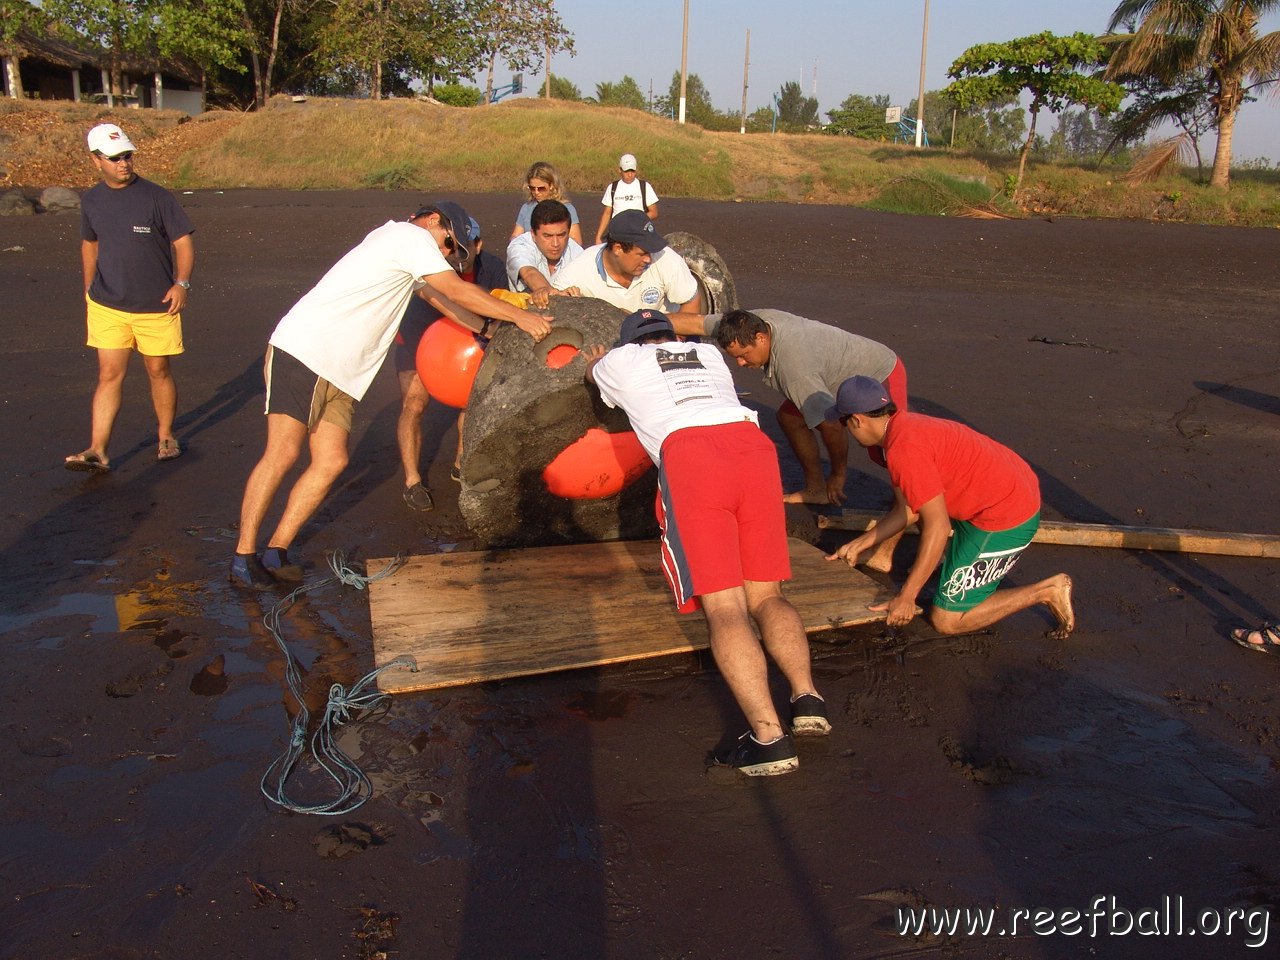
{"x":137,"y":254}
{"x":628,"y":192}
{"x":325,"y":353}
{"x":633,"y":269}
{"x":724,"y":539}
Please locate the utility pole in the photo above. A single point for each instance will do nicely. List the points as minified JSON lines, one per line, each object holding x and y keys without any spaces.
{"x":746,"y":65}
{"x":684,"y":60}
{"x":547,"y":90}
{"x":924,"y":49}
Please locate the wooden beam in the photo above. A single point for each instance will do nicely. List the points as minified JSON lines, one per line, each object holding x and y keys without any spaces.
{"x":1066,"y":533}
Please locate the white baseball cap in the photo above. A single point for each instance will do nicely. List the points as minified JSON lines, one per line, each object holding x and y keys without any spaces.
{"x":626,"y":162}
{"x":109,"y":140}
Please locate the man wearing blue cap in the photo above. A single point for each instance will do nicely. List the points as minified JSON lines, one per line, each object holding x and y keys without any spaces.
{"x":724,"y":539}
{"x":323,"y":356}
{"x":633,"y":269}
{"x":978,"y":506}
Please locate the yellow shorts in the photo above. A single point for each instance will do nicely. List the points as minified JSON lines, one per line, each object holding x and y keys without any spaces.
{"x":152,"y":334}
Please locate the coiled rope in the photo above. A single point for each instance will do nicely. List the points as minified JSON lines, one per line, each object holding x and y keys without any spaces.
{"x":344,"y":705}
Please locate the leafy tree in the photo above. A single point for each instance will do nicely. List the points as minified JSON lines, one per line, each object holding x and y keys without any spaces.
{"x":124,"y":28}
{"x":1050,"y":68}
{"x":209,"y":32}
{"x":795,"y":110}
{"x":519,"y":32}
{"x":563,"y":89}
{"x":998,"y":127}
{"x":1081,"y":136}
{"x":697,"y":104}
{"x":861,"y":116}
{"x":1217,"y":39}
{"x":760,"y":120}
{"x":262,"y":21}
{"x":1187,"y":102}
{"x":457,"y":94}
{"x":625,"y":93}
{"x":362,"y":36}
{"x":16,"y":16}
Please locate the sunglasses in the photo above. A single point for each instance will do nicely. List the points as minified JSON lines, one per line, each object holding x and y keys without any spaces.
{"x":533,"y":189}
{"x":118,"y":158}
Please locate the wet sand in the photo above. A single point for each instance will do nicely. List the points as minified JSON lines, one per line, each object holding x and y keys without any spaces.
{"x":1133,"y":364}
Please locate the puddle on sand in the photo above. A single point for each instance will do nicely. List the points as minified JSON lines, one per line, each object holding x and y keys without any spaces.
{"x":99,"y":608}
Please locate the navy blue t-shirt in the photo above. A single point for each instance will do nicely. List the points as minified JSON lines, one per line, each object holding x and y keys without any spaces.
{"x":135,"y":227}
{"x":490,"y":274}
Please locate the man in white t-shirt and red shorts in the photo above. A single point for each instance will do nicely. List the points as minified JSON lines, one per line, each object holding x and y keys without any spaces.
{"x":324,"y":354}
{"x":724,"y":541}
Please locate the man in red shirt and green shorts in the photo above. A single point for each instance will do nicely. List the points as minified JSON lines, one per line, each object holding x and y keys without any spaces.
{"x":957,"y":484}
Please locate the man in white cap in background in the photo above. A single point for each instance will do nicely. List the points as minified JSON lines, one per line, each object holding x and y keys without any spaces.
{"x":137,"y":254}
{"x":628,"y":192}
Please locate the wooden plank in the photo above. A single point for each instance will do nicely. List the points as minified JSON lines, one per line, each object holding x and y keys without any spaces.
{"x":469,"y":617}
{"x":1108,"y":535}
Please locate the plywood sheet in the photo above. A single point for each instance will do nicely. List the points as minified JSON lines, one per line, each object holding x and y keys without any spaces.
{"x":469,"y":617}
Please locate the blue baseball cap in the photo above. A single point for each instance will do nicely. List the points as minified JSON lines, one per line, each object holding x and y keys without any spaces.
{"x":858,"y":395}
{"x":641,"y":324}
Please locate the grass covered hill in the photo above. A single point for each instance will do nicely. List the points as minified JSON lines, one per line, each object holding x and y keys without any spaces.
{"x":413,"y":145}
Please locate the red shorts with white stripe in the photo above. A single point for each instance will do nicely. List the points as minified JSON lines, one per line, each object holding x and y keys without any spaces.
{"x":719,"y":505}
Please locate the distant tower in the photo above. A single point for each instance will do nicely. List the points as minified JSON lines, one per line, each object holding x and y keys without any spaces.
{"x":814,"y":91}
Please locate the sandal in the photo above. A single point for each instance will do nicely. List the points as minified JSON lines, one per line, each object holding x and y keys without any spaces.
{"x":1268,"y":635}
{"x":86,"y":463}
{"x":168,"y":450}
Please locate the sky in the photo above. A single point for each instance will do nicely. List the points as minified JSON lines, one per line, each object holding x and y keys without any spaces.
{"x":837,"y":47}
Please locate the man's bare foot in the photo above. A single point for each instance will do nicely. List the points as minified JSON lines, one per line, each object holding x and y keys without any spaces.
{"x":1060,"y":604}
{"x":807,"y":495}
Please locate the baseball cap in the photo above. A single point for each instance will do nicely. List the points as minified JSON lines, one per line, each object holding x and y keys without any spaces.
{"x":457,"y":222}
{"x":635,"y":227}
{"x":626,"y":162}
{"x":641,"y":324}
{"x":109,"y":140}
{"x":858,"y":395}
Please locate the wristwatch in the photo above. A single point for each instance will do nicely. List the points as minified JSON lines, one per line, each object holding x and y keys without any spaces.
{"x":184,"y":284}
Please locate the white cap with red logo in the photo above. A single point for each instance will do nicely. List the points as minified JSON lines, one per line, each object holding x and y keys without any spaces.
{"x":109,"y":140}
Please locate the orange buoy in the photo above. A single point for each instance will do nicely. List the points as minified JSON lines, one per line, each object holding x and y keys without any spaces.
{"x":561,"y":356}
{"x":448,"y":357}
{"x":596,"y":465}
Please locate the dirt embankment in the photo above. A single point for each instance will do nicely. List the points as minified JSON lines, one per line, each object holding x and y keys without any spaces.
{"x":44,"y":147}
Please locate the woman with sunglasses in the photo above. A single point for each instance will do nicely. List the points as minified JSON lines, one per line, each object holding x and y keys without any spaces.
{"x":542,"y":182}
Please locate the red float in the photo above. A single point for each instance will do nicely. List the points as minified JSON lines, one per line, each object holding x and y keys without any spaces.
{"x":448,"y":357}
{"x":597,"y":465}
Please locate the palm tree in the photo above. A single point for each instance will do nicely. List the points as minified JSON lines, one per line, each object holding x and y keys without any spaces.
{"x":1178,"y":37}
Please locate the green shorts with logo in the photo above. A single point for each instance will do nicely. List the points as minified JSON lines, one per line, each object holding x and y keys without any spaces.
{"x":977,"y":560}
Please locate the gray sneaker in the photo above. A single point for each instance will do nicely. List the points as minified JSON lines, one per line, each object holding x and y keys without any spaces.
{"x":418,"y":497}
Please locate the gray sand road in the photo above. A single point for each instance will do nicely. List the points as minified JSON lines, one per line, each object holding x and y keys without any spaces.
{"x":1133,"y":364}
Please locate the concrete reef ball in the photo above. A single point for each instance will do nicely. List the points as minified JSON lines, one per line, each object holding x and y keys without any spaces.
{"x":528,"y":406}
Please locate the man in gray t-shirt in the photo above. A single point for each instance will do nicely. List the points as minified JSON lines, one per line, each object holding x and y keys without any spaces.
{"x":806,"y":361}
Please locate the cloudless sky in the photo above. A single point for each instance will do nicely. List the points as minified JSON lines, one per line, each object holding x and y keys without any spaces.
{"x":867,"y":47}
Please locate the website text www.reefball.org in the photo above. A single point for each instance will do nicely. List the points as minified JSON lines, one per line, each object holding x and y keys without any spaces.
{"x":1104,"y":917}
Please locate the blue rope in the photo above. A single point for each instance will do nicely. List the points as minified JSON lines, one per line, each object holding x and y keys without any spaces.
{"x":344,"y":705}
